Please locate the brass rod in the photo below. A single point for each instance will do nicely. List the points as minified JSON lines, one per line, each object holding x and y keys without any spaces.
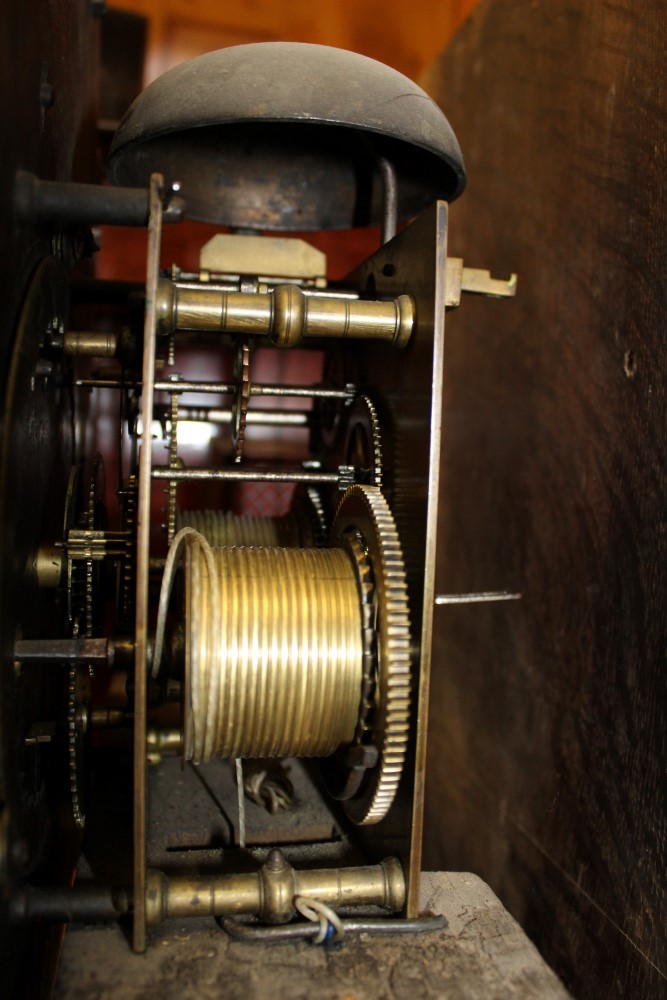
{"x":191,"y":282}
{"x":270,"y":892}
{"x":90,"y":344}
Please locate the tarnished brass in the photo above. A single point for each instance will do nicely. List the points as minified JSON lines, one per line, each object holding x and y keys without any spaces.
{"x":285,"y":314}
{"x":222,"y":528}
{"x":478,"y":280}
{"x":50,"y":565}
{"x":107,"y":718}
{"x":475,"y":280}
{"x":96,"y":345}
{"x":86,"y":543}
{"x":363,"y":515}
{"x":270,"y":892}
{"x":409,"y":386}
{"x":276,"y":667}
{"x":302,"y":652}
{"x":162,"y":742}
{"x":142,"y":567}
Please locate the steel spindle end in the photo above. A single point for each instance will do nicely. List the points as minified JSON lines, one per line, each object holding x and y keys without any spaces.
{"x":481,"y":597}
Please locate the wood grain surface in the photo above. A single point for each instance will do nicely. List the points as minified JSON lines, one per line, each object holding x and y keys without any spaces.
{"x":547,"y":753}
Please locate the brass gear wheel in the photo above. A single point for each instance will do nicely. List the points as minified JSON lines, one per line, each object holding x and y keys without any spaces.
{"x":363,"y":442}
{"x":82,"y":574}
{"x":364,"y":516}
{"x":309,"y":514}
{"x":353,"y":541}
{"x":126,"y":582}
{"x":241,"y":398}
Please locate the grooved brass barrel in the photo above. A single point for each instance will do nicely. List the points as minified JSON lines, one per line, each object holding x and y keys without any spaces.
{"x":274,"y":654}
{"x":223,"y":528}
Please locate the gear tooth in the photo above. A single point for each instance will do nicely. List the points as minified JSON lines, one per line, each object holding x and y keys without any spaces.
{"x":318,"y":516}
{"x":395,"y":670}
{"x":74,"y":739}
{"x":365,"y":415}
{"x":241,"y":399}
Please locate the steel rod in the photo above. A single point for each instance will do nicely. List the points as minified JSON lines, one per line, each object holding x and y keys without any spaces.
{"x":223,"y":388}
{"x":268,"y":418}
{"x":389,"y":199}
{"x":39,"y":201}
{"x":480,"y":598}
{"x":245,"y":475}
{"x":63,"y":650}
{"x":242,"y":931}
{"x":83,"y":903}
{"x":312,"y":392}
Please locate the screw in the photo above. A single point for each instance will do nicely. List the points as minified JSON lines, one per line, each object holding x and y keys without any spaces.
{"x":275,"y":862}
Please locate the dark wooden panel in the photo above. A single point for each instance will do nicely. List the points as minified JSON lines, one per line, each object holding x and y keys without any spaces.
{"x":547,"y":753}
{"x":54,"y":44}
{"x":48,"y":55}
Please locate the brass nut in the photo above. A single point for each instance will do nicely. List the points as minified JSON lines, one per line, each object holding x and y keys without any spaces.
{"x":278,"y":889}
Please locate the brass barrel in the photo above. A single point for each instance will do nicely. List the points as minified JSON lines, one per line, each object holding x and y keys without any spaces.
{"x":91,"y":344}
{"x":223,"y":528}
{"x":274,"y":654}
{"x":285,"y":314}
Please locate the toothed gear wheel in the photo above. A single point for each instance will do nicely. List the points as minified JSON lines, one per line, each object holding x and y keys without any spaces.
{"x":78,"y":701}
{"x":354,"y":543}
{"x":363,"y":442}
{"x":241,"y":398}
{"x":76,"y":587}
{"x":317,"y":515}
{"x":128,"y":499}
{"x":364,"y":515}
{"x":92,"y":520}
